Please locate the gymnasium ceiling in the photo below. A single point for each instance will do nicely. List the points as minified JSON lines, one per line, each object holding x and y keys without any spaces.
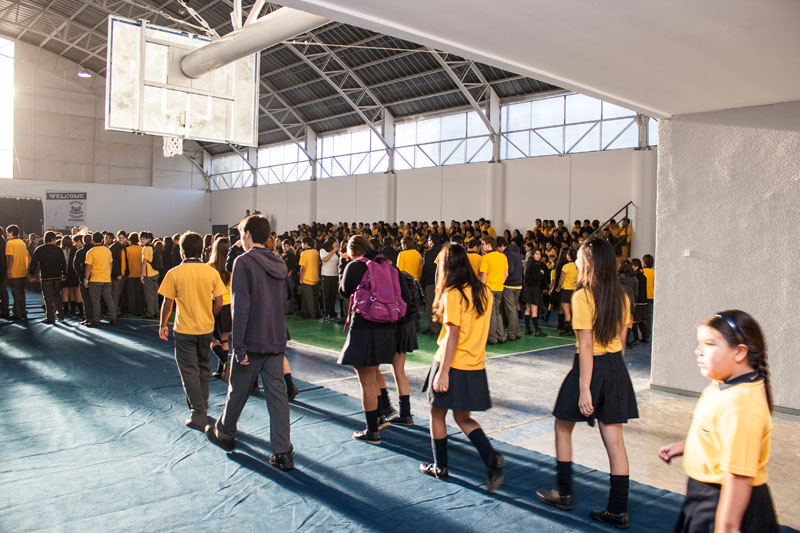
{"x":346,"y":77}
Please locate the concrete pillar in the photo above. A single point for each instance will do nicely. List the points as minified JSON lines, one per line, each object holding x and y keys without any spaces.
{"x":388,"y":134}
{"x":390,"y":197}
{"x":495,"y":195}
{"x":643,"y":194}
{"x":311,"y":150}
{"x":642,"y":121}
{"x":494,"y":120}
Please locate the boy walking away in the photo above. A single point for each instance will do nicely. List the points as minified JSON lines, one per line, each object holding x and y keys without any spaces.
{"x":258,"y":296}
{"x":309,"y":278}
{"x":512,"y":286}
{"x":79,"y":264}
{"x":98,"y":281}
{"x":494,"y":271}
{"x":151,"y":265}
{"x":194,"y":286}
{"x":49,"y":260}
{"x":119,"y":267}
{"x":17,"y":271}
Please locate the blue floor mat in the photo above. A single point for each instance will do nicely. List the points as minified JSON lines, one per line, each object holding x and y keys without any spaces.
{"x":94,"y":440}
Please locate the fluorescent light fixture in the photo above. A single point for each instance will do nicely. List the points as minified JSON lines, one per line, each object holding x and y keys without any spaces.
{"x":83,"y":73}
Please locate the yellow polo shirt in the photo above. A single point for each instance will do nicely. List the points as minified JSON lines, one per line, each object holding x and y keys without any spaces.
{"x":475,"y":261}
{"x":99,"y":257}
{"x":650,"y":274}
{"x":133,"y":253}
{"x":193,"y":285}
{"x":730,"y":432}
{"x":310,"y":259}
{"x":583,"y":318}
{"x":494,"y":264}
{"x":17,"y":249}
{"x":147,"y":253}
{"x":570,"y":271}
{"x":474,"y":330}
{"x":410,"y":261}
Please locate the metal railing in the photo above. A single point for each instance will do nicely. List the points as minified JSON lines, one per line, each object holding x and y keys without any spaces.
{"x":614,"y":216}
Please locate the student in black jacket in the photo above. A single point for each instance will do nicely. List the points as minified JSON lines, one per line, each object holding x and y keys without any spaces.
{"x":428,"y":280}
{"x":48,"y":260}
{"x":79,"y":264}
{"x":532,"y":293}
{"x":119,"y":266}
{"x":3,"y":277}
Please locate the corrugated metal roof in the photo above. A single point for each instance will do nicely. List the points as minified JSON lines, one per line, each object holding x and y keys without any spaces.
{"x":400,"y":76}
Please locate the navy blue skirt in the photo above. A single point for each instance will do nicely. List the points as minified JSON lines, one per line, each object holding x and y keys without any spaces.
{"x":468,"y":390}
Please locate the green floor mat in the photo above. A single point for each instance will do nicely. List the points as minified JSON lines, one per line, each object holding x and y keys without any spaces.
{"x":331,"y":336}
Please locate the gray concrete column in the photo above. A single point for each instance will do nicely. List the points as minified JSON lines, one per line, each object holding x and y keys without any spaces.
{"x":643,"y":194}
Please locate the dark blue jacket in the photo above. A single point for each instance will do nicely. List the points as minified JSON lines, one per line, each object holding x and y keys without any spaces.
{"x":515,"y":271}
{"x":258,"y":300}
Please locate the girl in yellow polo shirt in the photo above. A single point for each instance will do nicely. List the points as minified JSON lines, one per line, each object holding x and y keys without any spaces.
{"x":457,"y":378}
{"x":726,"y":451}
{"x":598,"y":387}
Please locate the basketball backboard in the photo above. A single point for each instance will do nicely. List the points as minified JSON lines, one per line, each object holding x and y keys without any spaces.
{"x":146,"y":91}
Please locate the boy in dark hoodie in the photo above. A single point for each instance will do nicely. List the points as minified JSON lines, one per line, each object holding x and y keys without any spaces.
{"x":258,"y":297}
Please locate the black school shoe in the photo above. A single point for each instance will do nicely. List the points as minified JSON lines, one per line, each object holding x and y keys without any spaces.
{"x":283,"y":461}
{"x":192,"y":425}
{"x":556,"y":499}
{"x":430,"y":469}
{"x":225,"y":444}
{"x":495,"y":476}
{"x":365,"y":436}
{"x":618,"y":520}
{"x":401,"y":420}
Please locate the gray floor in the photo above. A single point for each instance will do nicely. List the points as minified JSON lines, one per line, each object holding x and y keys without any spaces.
{"x":524,"y":388}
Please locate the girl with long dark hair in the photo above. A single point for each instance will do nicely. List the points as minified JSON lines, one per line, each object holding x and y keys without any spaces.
{"x":69,"y":287}
{"x":223,"y":321}
{"x":727,"y":448}
{"x":457,"y":378}
{"x":598,"y":386}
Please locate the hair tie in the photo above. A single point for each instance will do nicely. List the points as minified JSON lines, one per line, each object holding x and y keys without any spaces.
{"x":727,"y":318}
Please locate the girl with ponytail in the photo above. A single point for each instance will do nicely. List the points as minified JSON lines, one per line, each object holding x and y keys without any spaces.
{"x":727,"y":447}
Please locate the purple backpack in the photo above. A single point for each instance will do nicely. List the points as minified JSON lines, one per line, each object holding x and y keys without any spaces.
{"x":378,"y":297}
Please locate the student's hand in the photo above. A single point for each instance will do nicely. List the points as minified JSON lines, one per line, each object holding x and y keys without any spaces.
{"x":666,"y":453}
{"x":585,"y":402}
{"x":441,"y":382}
{"x":245,"y":361}
{"x":119,"y":277}
{"x":163,"y":332}
{"x":141,"y":279}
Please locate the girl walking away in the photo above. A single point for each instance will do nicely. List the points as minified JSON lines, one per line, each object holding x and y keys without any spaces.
{"x":598,"y":387}
{"x":457,"y":378}
{"x":726,"y":450}
{"x":369,"y":344}
{"x":223,"y":321}
{"x":534,"y":278}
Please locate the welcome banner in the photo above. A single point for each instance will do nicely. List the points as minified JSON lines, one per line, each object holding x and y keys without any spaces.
{"x":66,"y":209}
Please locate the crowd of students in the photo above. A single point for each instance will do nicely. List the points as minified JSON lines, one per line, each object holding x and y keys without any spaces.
{"x":470,"y":300}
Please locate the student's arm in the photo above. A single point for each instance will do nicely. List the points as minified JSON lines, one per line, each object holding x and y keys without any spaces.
{"x":217,"y":305}
{"x":586,"y":361}
{"x":561,"y":280}
{"x":9,"y":264}
{"x":240,"y":300}
{"x":302,"y":268}
{"x":166,"y":310}
{"x":483,"y":277}
{"x":666,"y":453}
{"x":733,"y":501}
{"x":441,"y":382}
{"x":86,"y":273}
{"x":62,"y":264}
{"x":144,"y":266}
{"x":505,"y":275}
{"x":33,"y":264}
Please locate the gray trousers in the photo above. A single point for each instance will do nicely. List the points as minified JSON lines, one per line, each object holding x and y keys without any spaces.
{"x":430,"y":294}
{"x":310,"y":300}
{"x":496,"y":331}
{"x":116,"y":292}
{"x":87,"y":303}
{"x":151,"y":295}
{"x":17,"y":287}
{"x":51,"y":292}
{"x":270,"y":366}
{"x":4,"y":296}
{"x":194,"y":367}
{"x":510,"y":300}
{"x":98,"y":291}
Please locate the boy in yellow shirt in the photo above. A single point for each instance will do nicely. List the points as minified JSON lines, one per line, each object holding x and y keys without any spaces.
{"x":493,"y":273}
{"x":17,"y":271}
{"x":409,"y":260}
{"x":98,"y":281}
{"x":310,"y":264}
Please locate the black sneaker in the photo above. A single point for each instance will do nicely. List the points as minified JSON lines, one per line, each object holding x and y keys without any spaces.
{"x":365,"y":436}
{"x":48,"y":321}
{"x":430,"y":469}
{"x":495,"y":476}
{"x":618,"y":520}
{"x":401,"y":420}
{"x":389,"y":411}
{"x":225,"y":444}
{"x":556,"y":499}
{"x":540,"y":333}
{"x":283,"y":461}
{"x":383,"y":423}
{"x":528,"y":331}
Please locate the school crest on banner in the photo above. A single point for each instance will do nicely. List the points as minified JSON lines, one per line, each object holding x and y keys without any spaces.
{"x":66,"y":209}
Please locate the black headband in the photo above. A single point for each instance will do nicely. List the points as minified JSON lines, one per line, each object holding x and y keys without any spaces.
{"x":727,"y":318}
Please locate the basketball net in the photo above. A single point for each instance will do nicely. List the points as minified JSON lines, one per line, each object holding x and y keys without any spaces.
{"x":173,"y":146}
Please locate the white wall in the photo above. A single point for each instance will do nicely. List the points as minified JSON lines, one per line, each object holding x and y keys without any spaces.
{"x":59,"y":132}
{"x":114,"y":207}
{"x":588,"y":185}
{"x":728,"y":191}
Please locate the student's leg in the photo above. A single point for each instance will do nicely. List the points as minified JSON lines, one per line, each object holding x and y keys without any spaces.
{"x":4,"y":297}
{"x":277,"y":403}
{"x":194,"y":373}
{"x":17,"y":286}
{"x":433,"y":327}
{"x":561,"y":497}
{"x":438,"y":430}
{"x":496,"y":331}
{"x":110,"y":304}
{"x":385,"y":408}
{"x":50,"y":296}
{"x":510,"y":299}
{"x":528,"y":319}
{"x":241,"y":381}
{"x":369,"y":395}
{"x":116,"y":292}
{"x":618,"y":466}
{"x":403,"y":389}
{"x":95,"y":293}
{"x":494,"y":460}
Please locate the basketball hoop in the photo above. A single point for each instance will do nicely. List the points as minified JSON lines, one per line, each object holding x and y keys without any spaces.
{"x":173,"y":146}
